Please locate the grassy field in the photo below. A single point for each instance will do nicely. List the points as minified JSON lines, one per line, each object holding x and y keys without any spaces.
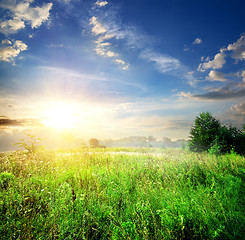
{"x":121,"y":194}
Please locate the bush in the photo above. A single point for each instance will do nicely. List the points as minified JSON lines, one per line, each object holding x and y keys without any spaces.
{"x":5,"y":179}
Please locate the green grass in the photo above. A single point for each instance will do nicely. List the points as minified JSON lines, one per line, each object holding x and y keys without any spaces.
{"x":122,"y":194}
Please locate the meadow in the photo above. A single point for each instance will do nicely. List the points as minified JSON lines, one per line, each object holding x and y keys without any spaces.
{"x":117,"y":193}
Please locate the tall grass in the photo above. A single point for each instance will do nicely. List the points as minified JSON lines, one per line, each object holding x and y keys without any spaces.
{"x":112,"y":194}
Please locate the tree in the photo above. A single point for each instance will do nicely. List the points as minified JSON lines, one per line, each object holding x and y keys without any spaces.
{"x":209,"y":134}
{"x":94,"y":143}
{"x":204,"y":132}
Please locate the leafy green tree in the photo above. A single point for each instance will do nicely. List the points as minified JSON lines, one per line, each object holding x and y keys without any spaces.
{"x":94,"y":143}
{"x":204,"y":132}
{"x":209,"y":135}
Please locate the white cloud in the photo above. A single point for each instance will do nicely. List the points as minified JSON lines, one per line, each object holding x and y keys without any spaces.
{"x":119,"y":61}
{"x":238,"y":48}
{"x":35,"y":16}
{"x":197,"y":41}
{"x":8,"y":54}
{"x":21,"y":13}
{"x":111,"y":54}
{"x":216,"y":63}
{"x":98,"y":28}
{"x":11,"y":26}
{"x":101,"y":3}
{"x":216,"y":76}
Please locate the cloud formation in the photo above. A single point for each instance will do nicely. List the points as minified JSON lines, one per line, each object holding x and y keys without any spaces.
{"x":6,"y":122}
{"x":216,"y":76}
{"x":98,"y":28}
{"x":236,"y":51}
{"x":22,"y":13}
{"x":216,"y":63}
{"x":104,"y":37}
{"x":10,"y":52}
{"x":227,"y":92}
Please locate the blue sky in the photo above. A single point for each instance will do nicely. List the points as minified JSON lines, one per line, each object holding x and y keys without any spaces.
{"x":121,"y":68}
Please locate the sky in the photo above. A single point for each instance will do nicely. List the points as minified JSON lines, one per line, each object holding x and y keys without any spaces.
{"x":118,"y":68}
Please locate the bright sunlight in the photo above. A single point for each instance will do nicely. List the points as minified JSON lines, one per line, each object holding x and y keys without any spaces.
{"x":61,"y":116}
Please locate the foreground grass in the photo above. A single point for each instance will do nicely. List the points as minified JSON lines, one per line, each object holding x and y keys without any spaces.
{"x":117,"y":194}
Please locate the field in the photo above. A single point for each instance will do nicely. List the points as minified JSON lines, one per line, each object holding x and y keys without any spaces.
{"x":121,"y":194}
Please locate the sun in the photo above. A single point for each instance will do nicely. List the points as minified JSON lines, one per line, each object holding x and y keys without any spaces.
{"x":60,"y":116}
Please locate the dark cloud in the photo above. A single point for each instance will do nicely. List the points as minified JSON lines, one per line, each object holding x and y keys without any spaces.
{"x":11,"y":122}
{"x":230,"y":91}
{"x":221,"y":94}
{"x":6,"y":122}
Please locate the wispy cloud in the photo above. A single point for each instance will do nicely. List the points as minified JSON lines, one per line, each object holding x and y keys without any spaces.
{"x":104,"y":35}
{"x":56,"y":45}
{"x":132,"y":38}
{"x":67,"y":73}
{"x":169,"y":65}
{"x":197,"y":41}
{"x":164,"y":63}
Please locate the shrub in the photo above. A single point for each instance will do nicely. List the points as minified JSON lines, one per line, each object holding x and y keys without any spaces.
{"x":5,"y":179}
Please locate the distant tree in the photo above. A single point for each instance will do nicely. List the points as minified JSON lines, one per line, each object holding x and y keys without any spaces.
{"x":94,"y":143}
{"x":204,"y":132}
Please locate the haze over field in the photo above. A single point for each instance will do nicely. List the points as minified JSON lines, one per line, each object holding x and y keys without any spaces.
{"x":112,"y":69}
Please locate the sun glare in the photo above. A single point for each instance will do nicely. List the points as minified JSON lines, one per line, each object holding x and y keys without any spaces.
{"x":61,"y":116}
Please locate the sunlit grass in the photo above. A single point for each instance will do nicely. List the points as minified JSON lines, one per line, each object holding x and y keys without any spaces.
{"x":122,"y":194}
